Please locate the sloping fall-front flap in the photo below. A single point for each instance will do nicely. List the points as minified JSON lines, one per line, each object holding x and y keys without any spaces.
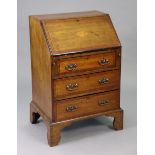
{"x":80,"y":34}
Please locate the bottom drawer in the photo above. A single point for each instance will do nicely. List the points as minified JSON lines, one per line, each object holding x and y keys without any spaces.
{"x":86,"y":105}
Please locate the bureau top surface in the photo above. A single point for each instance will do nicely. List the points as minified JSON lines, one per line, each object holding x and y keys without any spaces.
{"x":76,"y":32}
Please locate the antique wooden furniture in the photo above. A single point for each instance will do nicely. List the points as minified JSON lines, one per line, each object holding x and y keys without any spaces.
{"x":76,"y":64}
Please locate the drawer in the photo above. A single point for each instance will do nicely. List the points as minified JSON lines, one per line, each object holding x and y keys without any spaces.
{"x":91,"y":104}
{"x":86,"y":63}
{"x":86,"y":84}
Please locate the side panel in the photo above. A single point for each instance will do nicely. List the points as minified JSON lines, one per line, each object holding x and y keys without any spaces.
{"x":41,"y":68}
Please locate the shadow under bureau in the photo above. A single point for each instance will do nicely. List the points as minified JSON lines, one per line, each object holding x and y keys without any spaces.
{"x":76,"y":66}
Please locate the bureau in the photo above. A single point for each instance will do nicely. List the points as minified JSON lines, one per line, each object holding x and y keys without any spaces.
{"x":76,"y":67}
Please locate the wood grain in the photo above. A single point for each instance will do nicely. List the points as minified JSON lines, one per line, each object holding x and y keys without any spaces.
{"x":41,"y":68}
{"x":70,"y":81}
{"x":91,"y":62}
{"x":87,"y":105}
{"x":69,"y":15}
{"x":54,"y":129}
{"x":91,"y":67}
{"x":87,"y":84}
{"x":86,"y":33}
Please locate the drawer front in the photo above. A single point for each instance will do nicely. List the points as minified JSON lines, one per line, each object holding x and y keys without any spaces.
{"x":86,"y":84}
{"x":91,"y":104}
{"x":86,"y":63}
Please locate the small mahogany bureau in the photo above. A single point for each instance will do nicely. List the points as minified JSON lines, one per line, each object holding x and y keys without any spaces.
{"x":76,"y":66}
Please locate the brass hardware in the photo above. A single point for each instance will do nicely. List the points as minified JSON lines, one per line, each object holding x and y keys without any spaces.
{"x":103,"y":102}
{"x":72,"y":86}
{"x":103,"y":61}
{"x":103,"y":81}
{"x":71,"y":108}
{"x":70,"y":67}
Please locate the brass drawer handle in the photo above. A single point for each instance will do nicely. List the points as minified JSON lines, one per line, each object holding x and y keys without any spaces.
{"x":71,"y":108}
{"x":103,"y":61}
{"x":70,"y":67}
{"x":103,"y":81}
{"x":103,"y":102}
{"x":72,"y":86}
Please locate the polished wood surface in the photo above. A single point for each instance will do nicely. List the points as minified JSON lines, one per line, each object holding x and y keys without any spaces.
{"x":87,"y":105}
{"x":54,"y":128}
{"x":41,"y":68}
{"x":83,"y":64}
{"x":91,"y":62}
{"x":69,"y":15}
{"x":76,"y":66}
{"x":86,"y":33}
{"x":86,"y":84}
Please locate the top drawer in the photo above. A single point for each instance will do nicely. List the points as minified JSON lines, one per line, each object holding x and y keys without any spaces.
{"x":87,"y":63}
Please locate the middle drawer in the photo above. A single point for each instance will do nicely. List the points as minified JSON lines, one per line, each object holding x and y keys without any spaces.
{"x":86,"y":84}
